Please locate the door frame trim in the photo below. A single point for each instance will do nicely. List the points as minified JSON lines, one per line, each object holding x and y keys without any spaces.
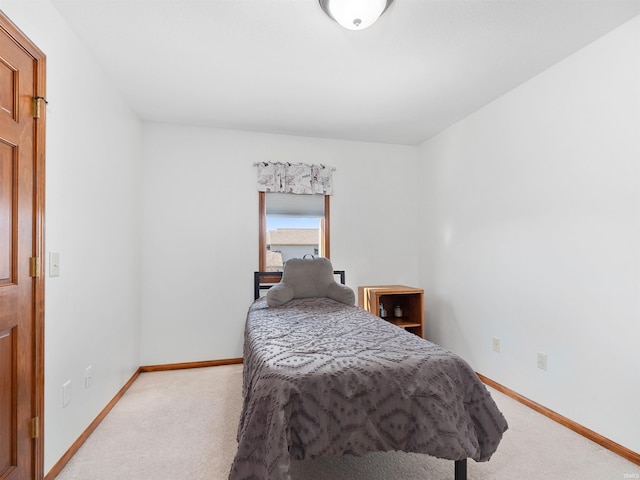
{"x":37,"y":407}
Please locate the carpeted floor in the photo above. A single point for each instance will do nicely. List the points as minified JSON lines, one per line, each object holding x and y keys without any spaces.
{"x":181,"y":425}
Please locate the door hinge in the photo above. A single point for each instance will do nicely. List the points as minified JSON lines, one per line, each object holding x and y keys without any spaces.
{"x":34,"y":266}
{"x":36,"y":106}
{"x":35,"y":427}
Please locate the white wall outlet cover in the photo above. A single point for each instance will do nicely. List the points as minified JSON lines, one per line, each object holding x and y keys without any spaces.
{"x":88,"y":376}
{"x":66,"y":393}
{"x":542,"y":361}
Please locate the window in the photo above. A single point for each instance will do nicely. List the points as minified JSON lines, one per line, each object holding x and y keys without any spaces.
{"x":291,"y":226}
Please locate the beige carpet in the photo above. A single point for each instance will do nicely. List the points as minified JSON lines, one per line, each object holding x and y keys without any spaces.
{"x":181,"y":425}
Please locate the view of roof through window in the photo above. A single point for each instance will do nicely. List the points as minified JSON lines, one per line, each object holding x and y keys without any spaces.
{"x":291,"y":237}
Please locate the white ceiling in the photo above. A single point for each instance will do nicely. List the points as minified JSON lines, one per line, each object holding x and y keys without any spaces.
{"x":282,"y":66}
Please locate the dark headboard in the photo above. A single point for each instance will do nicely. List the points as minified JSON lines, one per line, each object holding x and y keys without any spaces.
{"x":274,"y":277}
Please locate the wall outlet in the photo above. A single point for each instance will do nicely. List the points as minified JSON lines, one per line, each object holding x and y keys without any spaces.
{"x":66,"y":393}
{"x":496,"y":344}
{"x":88,"y":376}
{"x":542,"y":361}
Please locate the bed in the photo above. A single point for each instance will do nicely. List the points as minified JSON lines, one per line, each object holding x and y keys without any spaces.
{"x":323,"y":378}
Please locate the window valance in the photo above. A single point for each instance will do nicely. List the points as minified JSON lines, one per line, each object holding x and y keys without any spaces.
{"x":298,"y":178}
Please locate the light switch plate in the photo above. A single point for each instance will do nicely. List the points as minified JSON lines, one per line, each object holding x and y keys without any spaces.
{"x":54,"y":264}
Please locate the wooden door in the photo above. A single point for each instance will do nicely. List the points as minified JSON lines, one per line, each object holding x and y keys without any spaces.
{"x":21,"y":279}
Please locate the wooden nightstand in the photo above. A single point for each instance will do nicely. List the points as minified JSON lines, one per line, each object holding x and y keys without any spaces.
{"x":409,"y":299}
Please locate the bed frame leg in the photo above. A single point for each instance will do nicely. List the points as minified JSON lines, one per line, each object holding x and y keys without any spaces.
{"x":461,"y":469}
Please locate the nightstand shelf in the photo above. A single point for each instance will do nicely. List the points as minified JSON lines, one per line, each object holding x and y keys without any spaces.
{"x":409,"y":299}
{"x":403,"y":323}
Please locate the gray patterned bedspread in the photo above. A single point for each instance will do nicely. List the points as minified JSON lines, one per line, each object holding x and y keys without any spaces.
{"x":323,"y":378}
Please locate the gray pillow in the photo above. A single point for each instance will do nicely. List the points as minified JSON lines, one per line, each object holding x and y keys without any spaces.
{"x":307,"y":278}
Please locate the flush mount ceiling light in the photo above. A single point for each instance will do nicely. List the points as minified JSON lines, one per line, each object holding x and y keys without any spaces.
{"x":355,"y":14}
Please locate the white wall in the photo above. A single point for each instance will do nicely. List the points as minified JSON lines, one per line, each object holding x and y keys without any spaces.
{"x":528,"y":229}
{"x":200,"y":229}
{"x":93,"y":151}
{"x":532,"y":234}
